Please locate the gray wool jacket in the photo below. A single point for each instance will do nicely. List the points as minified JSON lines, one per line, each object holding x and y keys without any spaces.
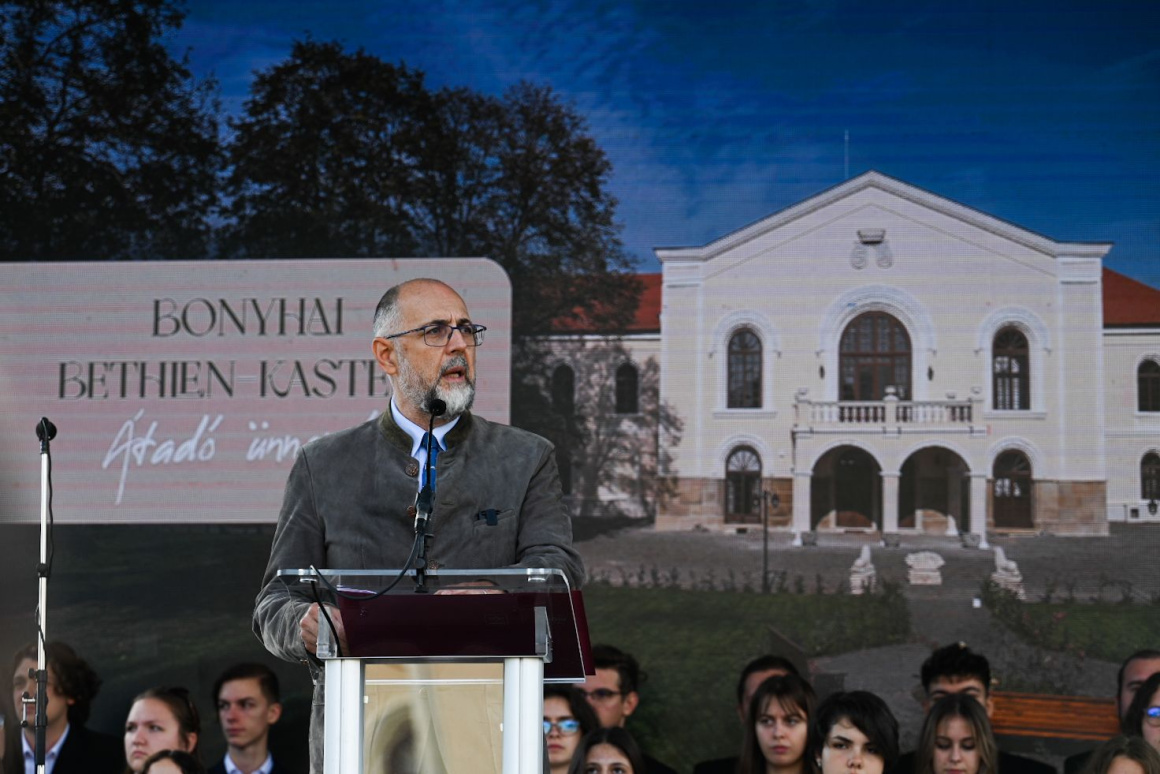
{"x":346,"y":507}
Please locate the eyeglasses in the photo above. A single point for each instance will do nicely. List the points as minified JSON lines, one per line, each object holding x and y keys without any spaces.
{"x":438,"y":334}
{"x":1152,"y":716}
{"x":567,"y":727}
{"x":600,"y":694}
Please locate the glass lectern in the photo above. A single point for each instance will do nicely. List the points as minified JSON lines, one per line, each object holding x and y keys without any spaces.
{"x":444,"y":673}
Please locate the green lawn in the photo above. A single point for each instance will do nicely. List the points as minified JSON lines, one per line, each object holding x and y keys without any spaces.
{"x":1097,"y":630}
{"x":693,"y":644}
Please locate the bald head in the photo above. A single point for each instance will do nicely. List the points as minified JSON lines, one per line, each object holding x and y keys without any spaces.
{"x":389,"y":313}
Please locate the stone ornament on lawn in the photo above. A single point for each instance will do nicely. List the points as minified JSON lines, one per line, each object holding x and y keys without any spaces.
{"x":924,"y":568}
{"x":1007,"y":575}
{"x":863,"y":576}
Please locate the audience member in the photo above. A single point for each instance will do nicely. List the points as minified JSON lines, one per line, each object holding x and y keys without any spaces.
{"x":1143,"y":716}
{"x":777,"y":734}
{"x":854,"y":730}
{"x":1136,"y":668}
{"x":614,"y":694}
{"x":753,"y":674}
{"x":956,"y":738}
{"x":172,"y":762}
{"x":1133,"y":671}
{"x":248,"y":703}
{"x":567,"y":718}
{"x":1123,"y":755}
{"x":958,"y":669}
{"x":160,"y":719}
{"x":69,"y":746}
{"x":608,"y":751}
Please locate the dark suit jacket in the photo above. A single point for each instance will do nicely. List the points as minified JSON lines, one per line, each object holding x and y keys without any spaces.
{"x":83,"y":752}
{"x":345,"y":505}
{"x":1009,"y":763}
{"x":653,"y":766}
{"x":1074,"y":764}
{"x":220,"y":768}
{"x":718,"y":766}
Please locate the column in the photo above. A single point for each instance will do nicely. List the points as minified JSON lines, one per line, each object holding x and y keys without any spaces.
{"x":889,"y":503}
{"x":979,"y":508}
{"x":801,"y":505}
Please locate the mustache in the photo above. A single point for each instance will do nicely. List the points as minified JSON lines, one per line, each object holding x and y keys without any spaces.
{"x":459,"y":361}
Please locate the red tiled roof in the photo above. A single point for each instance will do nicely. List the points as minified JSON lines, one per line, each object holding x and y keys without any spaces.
{"x":646,"y":320}
{"x":648,"y":312}
{"x":1128,"y":303}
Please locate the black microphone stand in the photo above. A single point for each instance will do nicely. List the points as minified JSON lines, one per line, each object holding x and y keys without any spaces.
{"x":45,"y":431}
{"x":425,"y":502}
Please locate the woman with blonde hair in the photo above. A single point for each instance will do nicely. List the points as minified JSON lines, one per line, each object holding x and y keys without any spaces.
{"x":956,"y":738}
{"x":1124,"y":755}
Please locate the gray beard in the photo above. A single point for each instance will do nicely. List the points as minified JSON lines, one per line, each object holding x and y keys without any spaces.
{"x":458,"y":398}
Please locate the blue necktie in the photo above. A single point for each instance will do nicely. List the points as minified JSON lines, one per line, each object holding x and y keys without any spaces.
{"x":435,"y":449}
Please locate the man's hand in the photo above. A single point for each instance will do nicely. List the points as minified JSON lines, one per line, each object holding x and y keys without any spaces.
{"x":470,"y":588}
{"x":308,"y":626}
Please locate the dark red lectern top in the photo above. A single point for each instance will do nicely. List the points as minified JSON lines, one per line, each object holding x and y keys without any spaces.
{"x":460,"y":615}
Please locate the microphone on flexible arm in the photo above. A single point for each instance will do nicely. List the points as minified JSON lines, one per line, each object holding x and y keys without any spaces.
{"x":426,"y":498}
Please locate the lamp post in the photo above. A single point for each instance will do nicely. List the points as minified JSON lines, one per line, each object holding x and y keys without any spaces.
{"x":768,"y":500}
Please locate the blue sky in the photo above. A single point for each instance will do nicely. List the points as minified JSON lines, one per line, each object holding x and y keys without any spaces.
{"x":716,"y":113}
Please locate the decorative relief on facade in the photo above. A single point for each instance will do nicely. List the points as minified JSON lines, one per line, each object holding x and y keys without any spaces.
{"x":860,"y":257}
{"x":871,"y":241}
{"x":885,"y":258}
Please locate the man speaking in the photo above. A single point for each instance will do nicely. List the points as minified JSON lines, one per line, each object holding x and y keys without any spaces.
{"x":348,"y":499}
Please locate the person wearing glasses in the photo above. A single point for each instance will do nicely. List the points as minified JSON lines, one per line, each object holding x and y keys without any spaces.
{"x":1134,"y":670}
{"x":567,"y":718}
{"x":614,"y":693}
{"x":1143,"y":716}
{"x":349,"y":498}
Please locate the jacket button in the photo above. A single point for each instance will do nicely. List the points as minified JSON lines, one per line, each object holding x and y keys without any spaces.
{"x":413,"y":469}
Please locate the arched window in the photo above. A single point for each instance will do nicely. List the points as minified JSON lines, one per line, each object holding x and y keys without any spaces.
{"x":564,"y":390}
{"x":1010,"y":367}
{"x":627,"y":389}
{"x":874,"y":354}
{"x":1012,"y":492}
{"x":1148,"y":386}
{"x":1150,"y":477}
{"x":744,"y":370}
{"x":742,"y":484}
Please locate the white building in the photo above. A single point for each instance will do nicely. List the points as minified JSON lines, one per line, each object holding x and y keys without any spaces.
{"x":883,"y":358}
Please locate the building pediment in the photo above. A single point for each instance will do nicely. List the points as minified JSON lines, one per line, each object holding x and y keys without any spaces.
{"x":852,"y":195}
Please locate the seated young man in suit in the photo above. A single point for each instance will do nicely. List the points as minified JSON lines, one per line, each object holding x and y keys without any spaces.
{"x":1134,"y":670}
{"x":614,"y":694}
{"x":248,"y":703}
{"x":70,"y":748}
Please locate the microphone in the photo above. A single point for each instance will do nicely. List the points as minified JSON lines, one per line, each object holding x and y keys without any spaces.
{"x":46,"y":430}
{"x":424,"y":502}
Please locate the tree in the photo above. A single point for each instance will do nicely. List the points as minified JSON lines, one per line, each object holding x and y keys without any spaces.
{"x":340,"y":153}
{"x":323,"y":160}
{"x":108,"y":147}
{"x":624,"y":454}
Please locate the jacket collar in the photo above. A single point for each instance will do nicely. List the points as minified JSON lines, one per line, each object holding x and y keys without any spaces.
{"x":397,"y":436}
